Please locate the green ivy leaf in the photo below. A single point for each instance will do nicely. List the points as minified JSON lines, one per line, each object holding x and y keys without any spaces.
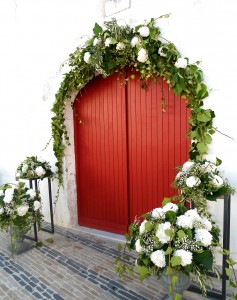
{"x":165,"y":201}
{"x":168,"y":251}
{"x":205,"y":258}
{"x":97,"y":29}
{"x":148,"y":226}
{"x":143,"y":272}
{"x":176,"y":261}
{"x":202,"y":148}
{"x":181,"y":234}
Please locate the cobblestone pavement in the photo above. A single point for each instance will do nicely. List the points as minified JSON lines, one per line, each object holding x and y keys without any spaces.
{"x":77,"y":265}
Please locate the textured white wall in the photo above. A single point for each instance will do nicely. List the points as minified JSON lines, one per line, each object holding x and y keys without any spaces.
{"x":36,"y":36}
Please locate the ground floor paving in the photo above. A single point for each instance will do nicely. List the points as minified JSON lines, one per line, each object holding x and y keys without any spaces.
{"x":78,"y":264}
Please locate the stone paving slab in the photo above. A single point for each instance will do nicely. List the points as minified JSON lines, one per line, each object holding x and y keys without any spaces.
{"x":77,"y":265}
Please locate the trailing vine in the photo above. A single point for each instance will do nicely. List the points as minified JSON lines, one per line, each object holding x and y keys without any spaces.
{"x":114,"y":48}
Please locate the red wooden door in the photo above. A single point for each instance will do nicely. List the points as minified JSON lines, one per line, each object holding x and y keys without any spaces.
{"x":126,"y":150}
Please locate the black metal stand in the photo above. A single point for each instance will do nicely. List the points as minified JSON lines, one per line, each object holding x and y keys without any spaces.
{"x":226,"y":246}
{"x":50,"y":207}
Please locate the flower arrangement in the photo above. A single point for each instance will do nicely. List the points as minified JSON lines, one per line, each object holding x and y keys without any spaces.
{"x":20,"y":207}
{"x":172,"y":239}
{"x":33,"y":167}
{"x":201,"y":179}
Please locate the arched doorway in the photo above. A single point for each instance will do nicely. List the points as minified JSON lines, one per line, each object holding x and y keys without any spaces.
{"x":126,"y":149}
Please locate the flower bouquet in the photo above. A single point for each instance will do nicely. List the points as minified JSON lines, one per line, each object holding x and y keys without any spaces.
{"x":171,"y":239}
{"x":34,"y":167}
{"x":20,"y":208}
{"x":204,"y":177}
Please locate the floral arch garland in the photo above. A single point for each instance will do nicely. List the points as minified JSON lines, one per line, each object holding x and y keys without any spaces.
{"x":112,"y":49}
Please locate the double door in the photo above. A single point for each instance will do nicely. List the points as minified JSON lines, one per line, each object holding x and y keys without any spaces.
{"x":127,"y":149}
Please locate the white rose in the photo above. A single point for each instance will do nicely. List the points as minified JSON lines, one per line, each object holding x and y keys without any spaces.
{"x":97,"y":42}
{"x":160,"y":52}
{"x":158,"y":213}
{"x":203,"y":236}
{"x":192,"y":181}
{"x":108,"y":41}
{"x":181,"y":63}
{"x":120,"y":46}
{"x":37,"y":205}
{"x":158,"y":258}
{"x":142,"y":228}
{"x":22,"y":210}
{"x":186,"y":256}
{"x":24,"y":168}
{"x":217,"y":181}
{"x":142,"y":55}
{"x":138,"y":246}
{"x":135,"y":41}
{"x":187,"y":166}
{"x":87,"y":57}
{"x":39,"y":171}
{"x":31,"y":192}
{"x":8,"y":196}
{"x":144,"y":31}
{"x":170,"y":206}
{"x":160,"y":233}
{"x":1,"y":210}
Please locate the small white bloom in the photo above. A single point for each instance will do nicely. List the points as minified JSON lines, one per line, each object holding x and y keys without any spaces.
{"x":142,"y":228}
{"x":184,"y":222}
{"x":8,"y":196}
{"x":206,"y":224}
{"x":120,"y":46}
{"x":40,"y":171}
{"x":24,"y":168}
{"x":1,"y":210}
{"x":203,"y":236}
{"x":1,"y":193}
{"x":142,"y":55}
{"x":208,"y":167}
{"x":186,"y":256}
{"x":181,"y":63}
{"x":135,"y":41}
{"x":187,"y":166}
{"x":193,"y":214}
{"x":31,"y":192}
{"x":170,"y":206}
{"x":144,"y":31}
{"x":22,"y":210}
{"x":97,"y":42}
{"x":87,"y":57}
{"x":158,"y":213}
{"x":192,"y":181}
{"x":108,"y":41}
{"x":179,"y":175}
{"x":158,"y":258}
{"x":160,"y":233}
{"x":160,"y":52}
{"x":217,"y":181}
{"x":37,"y":205}
{"x":138,"y":247}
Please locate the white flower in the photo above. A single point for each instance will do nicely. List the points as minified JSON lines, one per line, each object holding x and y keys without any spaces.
{"x":22,"y":210}
{"x":40,"y":171}
{"x":160,"y":233}
{"x":18,"y":174}
{"x":186,"y":256}
{"x":192,"y":181}
{"x":142,"y":228}
{"x":187,"y":166}
{"x":158,"y":258}
{"x":24,"y":168}
{"x":87,"y":57}
{"x":160,"y":52}
{"x":135,"y":41}
{"x":108,"y":41}
{"x":138,"y":246}
{"x":203,"y":236}
{"x":1,"y":210}
{"x":158,"y":213}
{"x":193,"y":214}
{"x":179,"y":175}
{"x":181,"y":63}
{"x":170,"y":206}
{"x":37,"y":205}
{"x":1,"y":193}
{"x":96,"y":42}
{"x":206,"y":224}
{"x":184,"y":222}
{"x":120,"y":46}
{"x":144,"y":31}
{"x":142,"y":55}
{"x":208,"y":167}
{"x":40,"y":159}
{"x":217,"y":181}
{"x":31,"y":192}
{"x":8,"y":196}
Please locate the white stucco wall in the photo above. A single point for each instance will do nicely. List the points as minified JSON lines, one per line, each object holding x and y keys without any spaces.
{"x":37,"y":36}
